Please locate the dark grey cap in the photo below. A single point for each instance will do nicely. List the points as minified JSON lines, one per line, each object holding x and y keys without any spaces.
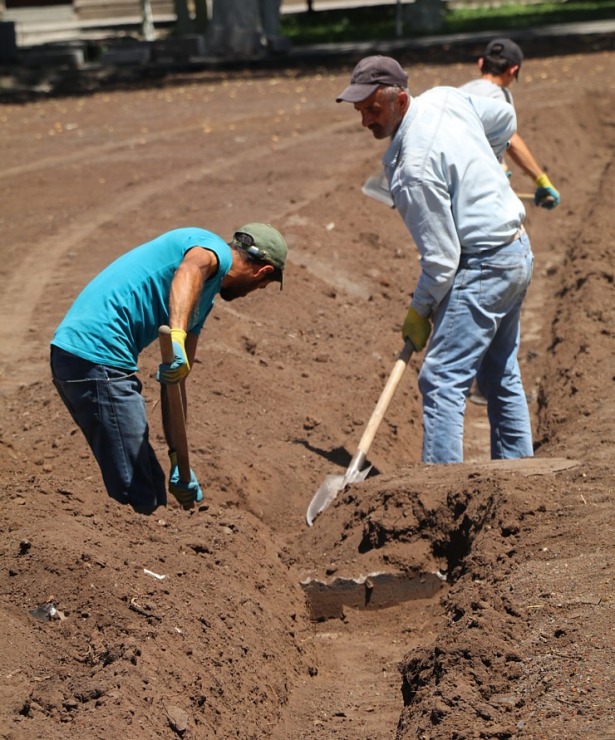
{"x":504,"y":49}
{"x":369,"y":74}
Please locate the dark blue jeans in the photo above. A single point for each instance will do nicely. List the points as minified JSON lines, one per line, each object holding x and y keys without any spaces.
{"x":107,"y":405}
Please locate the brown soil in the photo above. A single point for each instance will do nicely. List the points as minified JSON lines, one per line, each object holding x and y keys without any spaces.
{"x":510,"y":632}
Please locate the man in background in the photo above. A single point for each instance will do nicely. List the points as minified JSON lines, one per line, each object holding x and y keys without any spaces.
{"x":499,"y":66}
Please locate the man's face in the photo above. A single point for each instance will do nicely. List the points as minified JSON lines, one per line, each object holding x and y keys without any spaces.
{"x":382,"y":112}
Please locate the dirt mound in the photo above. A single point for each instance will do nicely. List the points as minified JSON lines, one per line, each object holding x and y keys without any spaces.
{"x":457,"y":601}
{"x":158,"y":622}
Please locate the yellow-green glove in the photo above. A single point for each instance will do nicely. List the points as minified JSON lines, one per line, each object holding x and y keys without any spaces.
{"x":546,"y":196}
{"x":416,"y":328}
{"x":173,"y":372}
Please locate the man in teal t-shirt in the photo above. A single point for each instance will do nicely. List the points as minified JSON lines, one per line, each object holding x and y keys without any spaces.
{"x":172,"y":279}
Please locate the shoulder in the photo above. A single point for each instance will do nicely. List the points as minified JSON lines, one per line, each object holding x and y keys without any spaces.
{"x":194,"y":236}
{"x":484,"y":88}
{"x":191,"y":237}
{"x":211,"y":246}
{"x":441,"y":96}
{"x":443,"y":102}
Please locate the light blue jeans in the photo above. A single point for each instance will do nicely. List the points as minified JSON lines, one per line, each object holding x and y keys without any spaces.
{"x":476,"y":334}
{"x":107,"y":405}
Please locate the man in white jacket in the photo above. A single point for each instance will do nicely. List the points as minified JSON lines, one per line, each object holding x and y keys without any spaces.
{"x":476,"y":259}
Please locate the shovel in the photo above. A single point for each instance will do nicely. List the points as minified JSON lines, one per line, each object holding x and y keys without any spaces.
{"x":377,"y":187}
{"x":176,"y":412}
{"x":333,"y":484}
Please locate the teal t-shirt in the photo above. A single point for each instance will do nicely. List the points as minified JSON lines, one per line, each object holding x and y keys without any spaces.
{"x":118,"y":313}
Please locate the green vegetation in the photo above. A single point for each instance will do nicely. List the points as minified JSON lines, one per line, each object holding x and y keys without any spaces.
{"x":379,"y":22}
{"x":510,"y":17}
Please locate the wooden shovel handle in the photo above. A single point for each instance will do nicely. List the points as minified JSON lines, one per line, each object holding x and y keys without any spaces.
{"x":177,"y":420}
{"x":385,"y":398}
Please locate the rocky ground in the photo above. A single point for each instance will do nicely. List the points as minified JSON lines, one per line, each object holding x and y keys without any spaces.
{"x":466,"y":601}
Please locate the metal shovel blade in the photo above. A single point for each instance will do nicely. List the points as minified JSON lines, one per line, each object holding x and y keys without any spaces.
{"x":377,"y":187}
{"x":335,"y":483}
{"x":329,"y":489}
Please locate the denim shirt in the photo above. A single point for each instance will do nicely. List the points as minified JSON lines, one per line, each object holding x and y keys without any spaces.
{"x":448,"y":186}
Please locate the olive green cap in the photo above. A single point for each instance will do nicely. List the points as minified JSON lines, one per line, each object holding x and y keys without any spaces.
{"x":263,"y":242}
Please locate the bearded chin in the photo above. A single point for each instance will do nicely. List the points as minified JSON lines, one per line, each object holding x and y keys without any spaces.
{"x":231,"y":292}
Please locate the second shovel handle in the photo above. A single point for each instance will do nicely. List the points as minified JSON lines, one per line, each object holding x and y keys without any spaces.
{"x":385,"y":398}
{"x":177,"y":419}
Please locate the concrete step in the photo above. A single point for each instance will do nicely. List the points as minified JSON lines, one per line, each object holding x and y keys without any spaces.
{"x":105,"y":10}
{"x":88,"y":19}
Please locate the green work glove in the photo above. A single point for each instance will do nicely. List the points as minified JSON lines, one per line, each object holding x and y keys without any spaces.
{"x":185,"y":493}
{"x":546,"y":196}
{"x":416,"y":328}
{"x":173,"y":372}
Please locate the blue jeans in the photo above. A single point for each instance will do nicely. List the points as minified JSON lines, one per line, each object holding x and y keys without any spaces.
{"x":107,"y":405}
{"x":476,"y":334}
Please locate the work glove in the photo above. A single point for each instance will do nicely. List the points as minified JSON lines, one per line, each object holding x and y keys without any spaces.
{"x":416,"y":328}
{"x":178,"y":369}
{"x":185,"y":493}
{"x":546,"y":196}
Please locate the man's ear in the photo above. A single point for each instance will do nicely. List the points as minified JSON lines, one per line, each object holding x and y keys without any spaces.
{"x":263,"y":271}
{"x":480,"y":63}
{"x":514,"y":70}
{"x":402,"y":101}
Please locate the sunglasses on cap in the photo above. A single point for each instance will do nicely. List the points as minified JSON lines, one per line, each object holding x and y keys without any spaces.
{"x":247,"y":242}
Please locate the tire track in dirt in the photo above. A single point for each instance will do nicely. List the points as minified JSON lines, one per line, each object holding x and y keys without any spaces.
{"x":23,"y":290}
{"x":100,"y":151}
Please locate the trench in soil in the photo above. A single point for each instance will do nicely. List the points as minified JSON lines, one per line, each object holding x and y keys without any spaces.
{"x":356,"y":689}
{"x":358,"y":686}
